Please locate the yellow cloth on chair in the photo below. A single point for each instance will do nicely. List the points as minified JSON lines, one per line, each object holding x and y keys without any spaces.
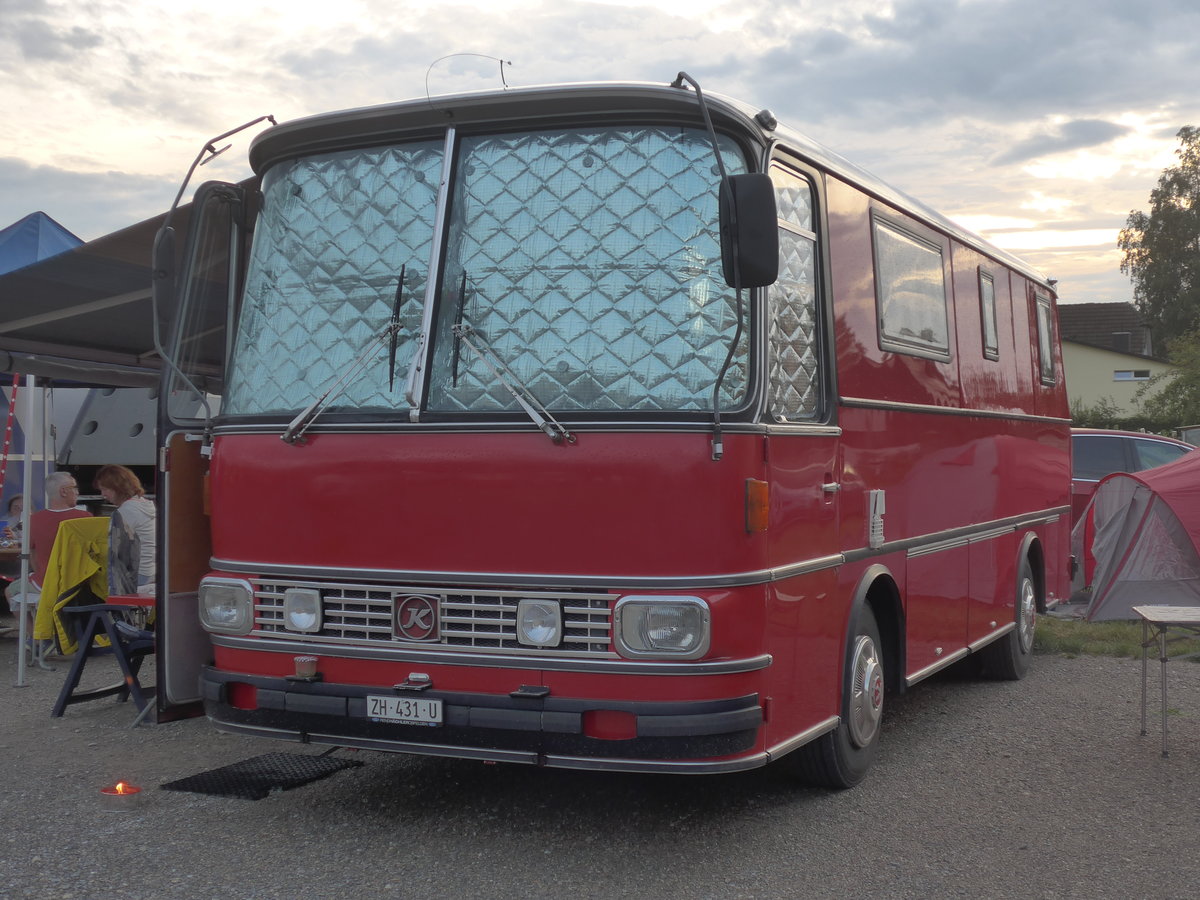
{"x":79,"y":558}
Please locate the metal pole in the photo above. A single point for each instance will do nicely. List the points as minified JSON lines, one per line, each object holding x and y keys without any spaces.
{"x":26,"y":537}
{"x":1162,"y":655}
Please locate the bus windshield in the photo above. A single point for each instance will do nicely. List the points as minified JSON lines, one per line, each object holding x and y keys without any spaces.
{"x":586,"y":260}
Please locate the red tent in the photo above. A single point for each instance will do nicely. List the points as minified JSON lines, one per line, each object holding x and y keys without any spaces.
{"x":1146,"y":539}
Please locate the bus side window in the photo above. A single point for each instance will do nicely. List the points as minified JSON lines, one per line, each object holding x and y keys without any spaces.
{"x":987,"y":313}
{"x":911,"y":292}
{"x":1045,"y":335}
{"x":793,"y":376}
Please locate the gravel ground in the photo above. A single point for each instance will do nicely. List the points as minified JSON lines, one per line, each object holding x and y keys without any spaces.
{"x":1037,"y":789}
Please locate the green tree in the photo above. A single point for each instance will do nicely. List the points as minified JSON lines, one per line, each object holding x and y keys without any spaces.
{"x":1162,"y":247}
{"x":1174,"y":397}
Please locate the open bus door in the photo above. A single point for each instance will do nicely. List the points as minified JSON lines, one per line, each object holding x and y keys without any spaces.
{"x":196,"y":326}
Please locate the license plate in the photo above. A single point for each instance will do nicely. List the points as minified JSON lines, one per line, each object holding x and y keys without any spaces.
{"x":409,"y":710}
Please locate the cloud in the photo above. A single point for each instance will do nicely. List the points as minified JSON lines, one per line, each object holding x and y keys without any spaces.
{"x":87,"y":204}
{"x":978,"y":107}
{"x":38,"y":40}
{"x":1000,"y":60}
{"x":1076,"y":135}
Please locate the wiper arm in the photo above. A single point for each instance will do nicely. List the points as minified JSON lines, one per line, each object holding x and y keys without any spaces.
{"x":458,"y":320}
{"x":541,"y":417}
{"x":296,"y":428}
{"x":395,"y":324}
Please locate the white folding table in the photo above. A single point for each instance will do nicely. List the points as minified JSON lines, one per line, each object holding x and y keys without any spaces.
{"x":1163,"y":625}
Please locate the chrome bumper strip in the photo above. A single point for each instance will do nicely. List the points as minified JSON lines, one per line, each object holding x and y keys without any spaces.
{"x":493,"y":661}
{"x":792,"y":743}
{"x":666,"y":766}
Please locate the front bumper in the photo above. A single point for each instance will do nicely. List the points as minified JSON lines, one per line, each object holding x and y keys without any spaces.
{"x":698,"y":736}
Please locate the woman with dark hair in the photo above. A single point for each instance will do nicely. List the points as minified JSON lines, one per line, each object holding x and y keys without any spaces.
{"x":131,"y":533}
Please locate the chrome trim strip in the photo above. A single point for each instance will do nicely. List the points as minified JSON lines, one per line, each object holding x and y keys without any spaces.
{"x":936,"y":667}
{"x":994,"y":636}
{"x":799,"y":429}
{"x":623,"y":426}
{"x":991,"y":535}
{"x":939,"y":546}
{"x":496,"y":661}
{"x":799,"y":740}
{"x":967,"y":534}
{"x":482,"y":579}
{"x":511,"y":756}
{"x":982,"y":531}
{"x":897,"y":406}
{"x":279,"y":734}
{"x":678,"y":767}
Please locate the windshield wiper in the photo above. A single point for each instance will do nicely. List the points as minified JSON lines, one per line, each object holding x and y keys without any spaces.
{"x":395,"y":326}
{"x":296,"y":428}
{"x":541,"y":417}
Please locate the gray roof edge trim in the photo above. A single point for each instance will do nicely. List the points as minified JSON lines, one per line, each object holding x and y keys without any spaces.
{"x":377,"y":123}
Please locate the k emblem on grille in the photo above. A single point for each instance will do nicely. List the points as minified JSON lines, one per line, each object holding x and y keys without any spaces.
{"x":417,"y":617}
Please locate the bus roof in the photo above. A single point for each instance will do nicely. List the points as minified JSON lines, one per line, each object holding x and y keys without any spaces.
{"x":385,"y":123}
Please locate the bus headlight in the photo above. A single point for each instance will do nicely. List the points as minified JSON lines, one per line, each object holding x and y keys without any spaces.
{"x":539,"y":623}
{"x":226,"y":605}
{"x":661,"y":627}
{"x":302,"y":610}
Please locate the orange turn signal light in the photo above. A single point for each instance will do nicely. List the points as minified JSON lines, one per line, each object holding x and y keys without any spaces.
{"x":758,"y":497}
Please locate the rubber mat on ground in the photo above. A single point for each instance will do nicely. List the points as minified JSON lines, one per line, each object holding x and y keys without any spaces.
{"x":259,"y":776}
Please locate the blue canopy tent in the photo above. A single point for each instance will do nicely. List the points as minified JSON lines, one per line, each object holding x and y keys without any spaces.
{"x":29,"y":240}
{"x":32,"y":239}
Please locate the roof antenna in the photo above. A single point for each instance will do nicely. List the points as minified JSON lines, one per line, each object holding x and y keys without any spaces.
{"x":502,"y":62}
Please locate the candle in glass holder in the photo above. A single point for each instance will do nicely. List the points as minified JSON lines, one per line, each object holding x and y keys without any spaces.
{"x":121,"y":795}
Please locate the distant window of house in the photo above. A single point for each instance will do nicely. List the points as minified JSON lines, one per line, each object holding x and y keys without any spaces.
{"x":987,"y":312}
{"x":1122,"y":341}
{"x":1131,"y":375}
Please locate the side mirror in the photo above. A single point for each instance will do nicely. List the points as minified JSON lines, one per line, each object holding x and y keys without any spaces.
{"x":749,"y":231}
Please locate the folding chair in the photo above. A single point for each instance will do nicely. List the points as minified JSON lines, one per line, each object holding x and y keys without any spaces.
{"x":128,"y":643}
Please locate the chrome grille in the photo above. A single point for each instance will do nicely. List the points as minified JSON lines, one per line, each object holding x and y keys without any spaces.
{"x":480,"y":620}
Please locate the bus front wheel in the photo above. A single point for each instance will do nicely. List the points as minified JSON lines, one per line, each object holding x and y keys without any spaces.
{"x":841,"y":758}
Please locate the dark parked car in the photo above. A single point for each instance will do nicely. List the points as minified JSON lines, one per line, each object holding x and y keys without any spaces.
{"x":1097,"y":453}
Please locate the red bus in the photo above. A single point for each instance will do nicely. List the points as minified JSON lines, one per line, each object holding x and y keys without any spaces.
{"x":605,"y":427}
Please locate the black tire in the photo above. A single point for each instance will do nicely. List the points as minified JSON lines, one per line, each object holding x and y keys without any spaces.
{"x":841,"y":758}
{"x":1008,"y":658}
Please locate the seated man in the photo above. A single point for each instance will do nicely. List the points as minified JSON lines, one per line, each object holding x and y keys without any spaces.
{"x":61,"y":495}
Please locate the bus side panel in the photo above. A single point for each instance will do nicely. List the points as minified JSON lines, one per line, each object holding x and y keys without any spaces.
{"x":990,"y":384}
{"x":865,"y":370}
{"x":805,"y":634}
{"x":936,"y":615}
{"x":992,"y":592}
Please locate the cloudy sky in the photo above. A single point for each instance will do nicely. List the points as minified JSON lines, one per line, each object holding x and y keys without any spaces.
{"x":1037,"y":123}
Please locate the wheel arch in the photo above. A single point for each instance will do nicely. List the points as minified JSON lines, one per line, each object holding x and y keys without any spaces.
{"x":878,"y":590}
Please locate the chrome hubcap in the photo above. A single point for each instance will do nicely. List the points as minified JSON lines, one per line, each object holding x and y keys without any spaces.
{"x":1026,"y":615}
{"x":866,"y":692}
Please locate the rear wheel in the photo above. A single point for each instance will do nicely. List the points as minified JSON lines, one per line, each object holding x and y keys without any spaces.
{"x":841,"y":758}
{"x":1008,"y":658}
